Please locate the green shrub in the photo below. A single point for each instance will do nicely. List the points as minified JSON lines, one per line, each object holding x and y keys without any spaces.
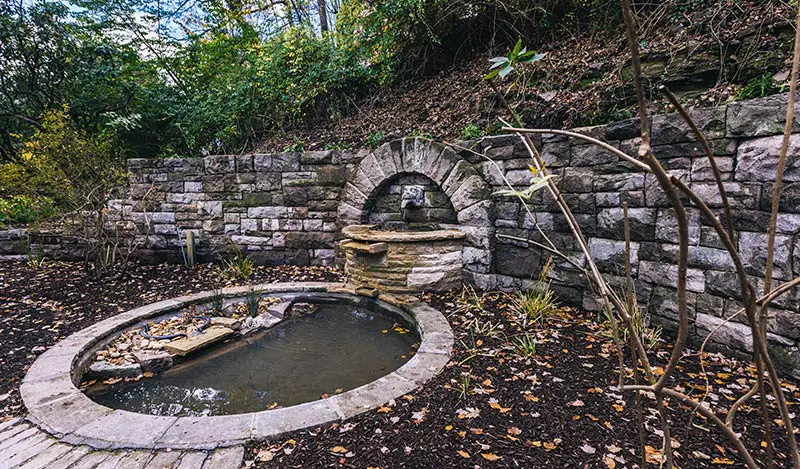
{"x":239,"y":267}
{"x":25,"y":209}
{"x":340,"y":145}
{"x":759,"y":87}
{"x":374,"y":139}
{"x":471,"y":132}
{"x":538,"y":304}
{"x":523,"y":346}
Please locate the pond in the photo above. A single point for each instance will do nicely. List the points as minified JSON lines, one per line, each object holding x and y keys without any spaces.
{"x":339,"y":347}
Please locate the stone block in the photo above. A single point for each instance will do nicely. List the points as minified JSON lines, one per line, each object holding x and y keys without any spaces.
{"x":672,"y":128}
{"x":610,"y":255}
{"x":555,"y":154}
{"x":193,"y":186}
{"x":702,"y":172}
{"x":309,"y":240}
{"x":752,"y":249}
{"x":667,"y":226}
{"x":220,"y":164}
{"x":575,"y":180}
{"x":295,"y":196}
{"x":518,"y":261}
{"x":252,"y":240}
{"x":667,"y":275}
{"x":104,"y":370}
{"x":642,"y":222}
{"x":622,"y":130}
{"x":331,"y":175}
{"x":617,"y":182}
{"x":211,"y":209}
{"x":591,"y":155}
{"x":288,"y":161}
{"x":267,"y":212}
{"x":731,"y":334}
{"x":759,"y":117}
{"x":153,"y":361}
{"x":262,"y":162}
{"x":740,"y":195}
{"x":757,"y":160}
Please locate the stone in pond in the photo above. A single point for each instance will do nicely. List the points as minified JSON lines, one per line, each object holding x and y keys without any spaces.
{"x":153,"y":362}
{"x":104,"y":370}
{"x":303,"y":308}
{"x":279,"y":310}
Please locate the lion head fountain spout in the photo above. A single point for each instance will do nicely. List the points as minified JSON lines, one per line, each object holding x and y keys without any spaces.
{"x":413,"y":198}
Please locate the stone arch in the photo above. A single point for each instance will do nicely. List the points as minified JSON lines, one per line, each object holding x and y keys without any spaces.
{"x":384,"y":205}
{"x":466,"y":188}
{"x":468,"y":192}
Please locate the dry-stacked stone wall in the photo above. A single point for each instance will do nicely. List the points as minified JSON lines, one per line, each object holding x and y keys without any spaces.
{"x":290,"y":208}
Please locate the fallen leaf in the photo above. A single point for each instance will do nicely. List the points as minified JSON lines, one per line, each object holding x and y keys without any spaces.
{"x":722,"y":461}
{"x":463,"y":453}
{"x":588,"y":449}
{"x":339,"y":449}
{"x":491,"y":456}
{"x":384,"y":410}
{"x":652,"y":455}
{"x":610,"y":463}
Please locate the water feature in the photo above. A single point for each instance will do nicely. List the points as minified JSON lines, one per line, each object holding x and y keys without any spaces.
{"x":337,"y":348}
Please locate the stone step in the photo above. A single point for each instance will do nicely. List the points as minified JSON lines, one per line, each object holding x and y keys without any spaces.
{"x":163,"y":460}
{"x":11,"y":431}
{"x":73,"y":456}
{"x":29,"y":448}
{"x":225,"y":458}
{"x":192,"y":460}
{"x":17,"y":439}
{"x":112,"y":462}
{"x":368,"y":248}
{"x":93,"y":459}
{"x":188,"y":345}
{"x":48,"y":457}
{"x":9,"y":423}
{"x":134,"y":459}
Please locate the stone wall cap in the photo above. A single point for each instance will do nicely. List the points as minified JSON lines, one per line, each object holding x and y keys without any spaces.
{"x":371,"y":233}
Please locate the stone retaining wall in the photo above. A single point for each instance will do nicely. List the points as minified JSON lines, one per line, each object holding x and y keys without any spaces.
{"x":290,"y":208}
{"x":13,"y":242}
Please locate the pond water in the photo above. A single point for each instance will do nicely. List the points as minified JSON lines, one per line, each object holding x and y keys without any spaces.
{"x":335,"y":349}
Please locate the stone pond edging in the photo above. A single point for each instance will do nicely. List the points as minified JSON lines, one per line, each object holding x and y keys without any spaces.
{"x":56,"y":405}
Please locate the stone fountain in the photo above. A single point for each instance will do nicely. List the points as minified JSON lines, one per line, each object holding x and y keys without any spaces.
{"x":402,"y":256}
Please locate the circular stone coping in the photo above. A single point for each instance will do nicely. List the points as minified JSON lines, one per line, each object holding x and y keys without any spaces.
{"x":55,"y":403}
{"x":371,"y":233}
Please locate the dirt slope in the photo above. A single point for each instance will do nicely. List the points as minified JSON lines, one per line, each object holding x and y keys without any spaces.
{"x":708,"y":55}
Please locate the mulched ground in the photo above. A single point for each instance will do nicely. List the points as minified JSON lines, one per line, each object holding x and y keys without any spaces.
{"x":491,"y":407}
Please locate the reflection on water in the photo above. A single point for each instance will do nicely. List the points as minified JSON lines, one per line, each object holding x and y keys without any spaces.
{"x":340,"y":347}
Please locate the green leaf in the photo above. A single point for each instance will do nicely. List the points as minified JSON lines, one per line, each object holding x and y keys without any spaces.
{"x":500,"y":64}
{"x":505,"y":71}
{"x":517,"y":47}
{"x":499,"y":59}
{"x":492,"y":74}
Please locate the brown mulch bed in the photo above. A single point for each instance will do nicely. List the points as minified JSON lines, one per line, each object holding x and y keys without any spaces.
{"x":490,"y":407}
{"x":557,"y":409}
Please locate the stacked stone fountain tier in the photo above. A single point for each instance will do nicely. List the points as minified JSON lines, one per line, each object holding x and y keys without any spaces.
{"x":403,"y":261}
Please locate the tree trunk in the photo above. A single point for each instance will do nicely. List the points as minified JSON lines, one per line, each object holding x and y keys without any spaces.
{"x":323,"y":16}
